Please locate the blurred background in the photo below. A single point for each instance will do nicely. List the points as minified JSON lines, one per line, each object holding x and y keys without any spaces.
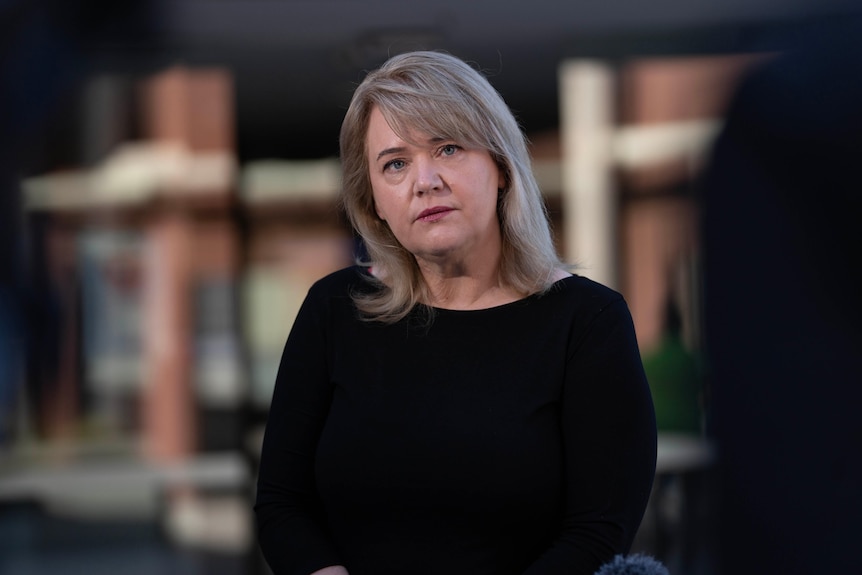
{"x":168,"y":188}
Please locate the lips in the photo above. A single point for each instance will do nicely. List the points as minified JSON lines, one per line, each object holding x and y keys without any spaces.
{"x":433,"y":214}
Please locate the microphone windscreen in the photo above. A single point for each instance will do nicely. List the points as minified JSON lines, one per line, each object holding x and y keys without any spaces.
{"x":637,"y":564}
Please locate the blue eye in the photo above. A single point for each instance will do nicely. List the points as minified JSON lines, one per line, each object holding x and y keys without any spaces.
{"x":449,"y":149}
{"x":393,"y":165}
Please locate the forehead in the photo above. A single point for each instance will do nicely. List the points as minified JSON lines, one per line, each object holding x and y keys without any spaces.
{"x":378,"y":127}
{"x":381,"y":131}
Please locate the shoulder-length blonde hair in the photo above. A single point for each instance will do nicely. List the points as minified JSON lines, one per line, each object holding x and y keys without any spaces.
{"x":439,"y":95}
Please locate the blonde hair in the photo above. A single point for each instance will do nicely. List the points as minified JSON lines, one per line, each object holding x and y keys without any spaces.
{"x":437,"y":94}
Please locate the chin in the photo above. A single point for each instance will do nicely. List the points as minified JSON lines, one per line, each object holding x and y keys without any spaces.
{"x":438,"y":250}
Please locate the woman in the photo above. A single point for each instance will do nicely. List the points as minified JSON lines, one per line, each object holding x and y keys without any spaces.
{"x":464,"y":404}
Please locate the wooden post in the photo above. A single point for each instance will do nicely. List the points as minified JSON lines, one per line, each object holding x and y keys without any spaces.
{"x":589,"y":201}
{"x":169,"y":408}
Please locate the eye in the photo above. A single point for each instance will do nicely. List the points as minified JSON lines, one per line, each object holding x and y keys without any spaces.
{"x":393,"y":165}
{"x":449,"y":150}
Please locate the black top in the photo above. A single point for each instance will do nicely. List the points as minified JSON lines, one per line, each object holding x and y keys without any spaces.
{"x":515,"y":439}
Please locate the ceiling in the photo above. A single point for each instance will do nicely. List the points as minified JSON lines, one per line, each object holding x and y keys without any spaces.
{"x":295,"y":63}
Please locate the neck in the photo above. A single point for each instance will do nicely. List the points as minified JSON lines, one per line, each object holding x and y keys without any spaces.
{"x":453,"y":285}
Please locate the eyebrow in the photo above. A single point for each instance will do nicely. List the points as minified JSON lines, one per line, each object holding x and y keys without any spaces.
{"x":389,"y":151}
{"x":402,"y":149}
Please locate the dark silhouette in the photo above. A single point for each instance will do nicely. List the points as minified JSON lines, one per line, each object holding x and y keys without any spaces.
{"x":782,"y":288}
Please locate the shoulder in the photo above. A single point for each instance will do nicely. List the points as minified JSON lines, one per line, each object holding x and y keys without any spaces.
{"x":583,"y":294}
{"x":596,"y":318}
{"x":336,"y":290}
{"x":586,"y":307}
{"x":340,"y":283}
{"x":332,"y":295}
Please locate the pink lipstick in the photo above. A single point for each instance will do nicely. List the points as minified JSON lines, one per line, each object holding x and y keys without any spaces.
{"x":433,"y":214}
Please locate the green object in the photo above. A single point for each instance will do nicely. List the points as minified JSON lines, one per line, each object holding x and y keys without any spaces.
{"x":674,"y":377}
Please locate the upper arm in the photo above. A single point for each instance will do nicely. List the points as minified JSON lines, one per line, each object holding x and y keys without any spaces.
{"x":609,"y":443}
{"x":609,"y":430}
{"x":291,"y":524}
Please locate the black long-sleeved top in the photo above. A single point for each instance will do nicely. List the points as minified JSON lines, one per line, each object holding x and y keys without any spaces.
{"x":513,"y":440}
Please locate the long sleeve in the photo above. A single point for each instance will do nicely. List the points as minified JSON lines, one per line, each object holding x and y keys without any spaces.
{"x":290,"y":517}
{"x":609,"y":439}
{"x":516,"y":439}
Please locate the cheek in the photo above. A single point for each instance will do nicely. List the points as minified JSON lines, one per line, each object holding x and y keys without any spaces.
{"x":387,"y":199}
{"x":379,"y":206}
{"x":502,"y":183}
{"x":376,"y":204}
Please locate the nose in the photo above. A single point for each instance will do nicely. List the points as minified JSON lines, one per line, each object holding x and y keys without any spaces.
{"x":427,"y":177}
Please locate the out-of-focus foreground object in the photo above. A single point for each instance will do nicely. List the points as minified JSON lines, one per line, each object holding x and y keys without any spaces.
{"x":783,"y":314}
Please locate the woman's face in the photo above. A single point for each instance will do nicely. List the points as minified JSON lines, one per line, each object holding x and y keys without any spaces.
{"x":438,"y":197}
